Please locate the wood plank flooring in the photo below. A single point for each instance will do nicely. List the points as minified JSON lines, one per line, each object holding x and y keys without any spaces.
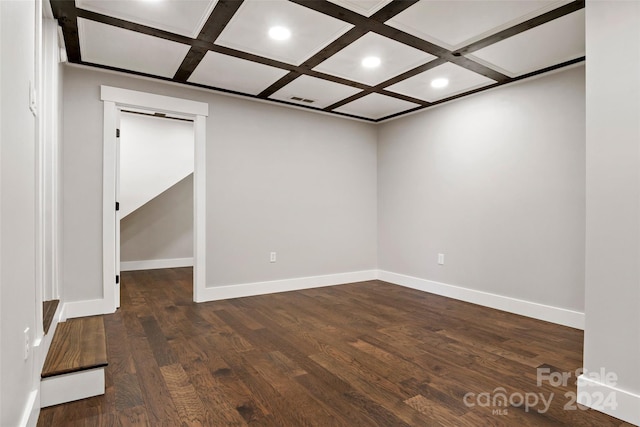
{"x":363,"y":354}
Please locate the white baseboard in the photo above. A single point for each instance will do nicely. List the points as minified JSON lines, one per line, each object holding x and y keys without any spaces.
{"x":561,"y":316}
{"x":31,"y":411}
{"x":261,"y":288}
{"x":92,"y":307}
{"x":153,"y":264}
{"x":70,"y":387}
{"x":625,"y":405}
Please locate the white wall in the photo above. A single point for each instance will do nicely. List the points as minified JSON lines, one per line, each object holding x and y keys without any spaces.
{"x":278,"y":179}
{"x":612,"y":334}
{"x":161,"y":229}
{"x":155,"y":153}
{"x":17,"y":208}
{"x":496,"y":183}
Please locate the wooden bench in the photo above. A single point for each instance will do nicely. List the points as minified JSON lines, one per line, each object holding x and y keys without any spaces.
{"x":74,"y":367}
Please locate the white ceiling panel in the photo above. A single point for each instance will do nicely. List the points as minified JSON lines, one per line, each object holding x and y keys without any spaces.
{"x":129,"y":50}
{"x":176,"y":16}
{"x":375,"y":106}
{"x":395,"y":58}
{"x":460,"y":80}
{"x":228,"y":72}
{"x":322,"y":92}
{"x":310,"y":30}
{"x":454,"y":24}
{"x":363,"y":7}
{"x":549,"y":44}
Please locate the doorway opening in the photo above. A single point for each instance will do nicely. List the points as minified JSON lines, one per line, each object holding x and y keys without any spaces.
{"x":116,"y":100}
{"x":155,"y":160}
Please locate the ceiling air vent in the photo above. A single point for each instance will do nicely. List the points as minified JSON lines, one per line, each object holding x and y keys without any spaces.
{"x":308,"y":101}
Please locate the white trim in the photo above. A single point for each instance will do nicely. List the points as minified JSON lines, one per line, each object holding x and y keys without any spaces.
{"x":108,"y":207}
{"x":70,"y":387}
{"x":262,"y":288}
{"x":31,"y":411}
{"x":133,"y":98}
{"x":114,"y":98}
{"x":74,"y":309}
{"x":561,"y":316}
{"x":626,"y":405}
{"x":152,"y":264}
{"x":199,"y":208}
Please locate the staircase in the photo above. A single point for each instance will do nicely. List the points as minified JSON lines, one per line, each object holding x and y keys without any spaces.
{"x":75,"y":363}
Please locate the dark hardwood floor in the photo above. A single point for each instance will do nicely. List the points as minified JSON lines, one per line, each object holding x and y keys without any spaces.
{"x":363,"y":354}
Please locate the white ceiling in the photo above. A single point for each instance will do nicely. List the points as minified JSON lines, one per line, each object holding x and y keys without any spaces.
{"x":223,"y":44}
{"x":175,"y":16}
{"x":460,"y":80}
{"x":108,"y":45}
{"x":363,"y":7}
{"x":454,"y":24}
{"x":395,"y":58}
{"x":375,"y":106}
{"x":322,"y":92}
{"x":235,"y":74}
{"x":537,"y":48}
{"x":310,"y":30}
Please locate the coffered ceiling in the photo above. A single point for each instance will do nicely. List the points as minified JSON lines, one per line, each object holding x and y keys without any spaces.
{"x":370,"y":59}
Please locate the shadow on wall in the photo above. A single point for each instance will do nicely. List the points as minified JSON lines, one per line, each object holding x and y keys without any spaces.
{"x":162,"y":228}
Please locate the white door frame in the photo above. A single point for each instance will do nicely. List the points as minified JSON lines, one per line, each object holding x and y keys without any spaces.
{"x":113,"y":99}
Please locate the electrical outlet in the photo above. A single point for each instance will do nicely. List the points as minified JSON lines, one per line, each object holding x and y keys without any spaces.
{"x":272,"y":257}
{"x":440,"y":259}
{"x":27,"y":344}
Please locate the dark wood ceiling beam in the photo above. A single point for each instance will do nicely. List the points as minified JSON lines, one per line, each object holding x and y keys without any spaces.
{"x":413,"y":72}
{"x":279,"y":84}
{"x":216,"y":89}
{"x":283,"y":65}
{"x":404,"y":97}
{"x":219,"y":18}
{"x":346,"y":101}
{"x":371,"y":25}
{"x":517,"y":29}
{"x":387,"y":12}
{"x":190,"y":62}
{"x":381,"y":86}
{"x":482,"y":89}
{"x":392,"y":9}
{"x":132,"y":26}
{"x":337,"y":45}
{"x":65,"y":13}
{"x":420,"y":44}
{"x":382,"y":29}
{"x":216,"y":23}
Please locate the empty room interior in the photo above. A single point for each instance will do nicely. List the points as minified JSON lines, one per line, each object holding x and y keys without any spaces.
{"x":319,"y":213}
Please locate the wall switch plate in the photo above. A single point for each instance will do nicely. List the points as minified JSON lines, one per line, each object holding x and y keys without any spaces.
{"x":272,"y":257}
{"x":440,"y":259}
{"x":27,"y":344}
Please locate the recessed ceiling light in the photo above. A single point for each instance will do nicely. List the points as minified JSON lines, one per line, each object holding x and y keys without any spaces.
{"x":439,"y":83}
{"x":279,"y":33}
{"x":371,"y":62}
